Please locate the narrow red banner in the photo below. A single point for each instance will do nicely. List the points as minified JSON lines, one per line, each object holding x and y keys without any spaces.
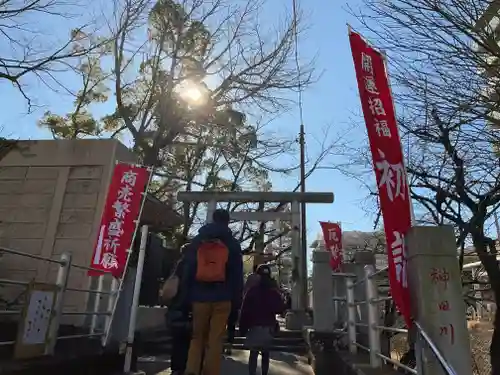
{"x":388,"y":162}
{"x":332,"y":235}
{"x":119,"y":219}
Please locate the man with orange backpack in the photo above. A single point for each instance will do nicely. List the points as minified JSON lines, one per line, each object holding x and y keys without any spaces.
{"x":213,"y":285}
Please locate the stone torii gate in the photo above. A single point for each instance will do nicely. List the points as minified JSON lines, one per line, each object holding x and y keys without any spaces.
{"x":297,"y":318}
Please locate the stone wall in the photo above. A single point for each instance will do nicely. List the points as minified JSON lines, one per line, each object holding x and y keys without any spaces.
{"x":51,"y":198}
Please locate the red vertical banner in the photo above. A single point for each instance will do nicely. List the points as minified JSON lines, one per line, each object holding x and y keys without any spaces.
{"x":119,"y":219}
{"x":388,"y":162}
{"x":332,"y":235}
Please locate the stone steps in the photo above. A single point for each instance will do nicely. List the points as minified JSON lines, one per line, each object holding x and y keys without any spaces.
{"x":285,"y":341}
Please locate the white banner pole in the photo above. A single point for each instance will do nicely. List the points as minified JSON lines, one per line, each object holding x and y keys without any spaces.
{"x":135,"y":300}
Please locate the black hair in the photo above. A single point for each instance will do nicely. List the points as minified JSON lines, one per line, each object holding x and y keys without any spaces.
{"x":220,"y":216}
{"x":266,"y":280}
{"x":263,"y":269}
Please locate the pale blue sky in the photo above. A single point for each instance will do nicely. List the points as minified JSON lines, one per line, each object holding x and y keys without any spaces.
{"x":332,"y":101}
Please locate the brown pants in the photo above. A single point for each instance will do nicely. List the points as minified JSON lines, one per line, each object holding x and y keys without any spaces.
{"x":209,"y":328}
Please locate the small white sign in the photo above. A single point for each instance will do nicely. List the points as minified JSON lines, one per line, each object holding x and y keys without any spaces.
{"x":37,"y":318}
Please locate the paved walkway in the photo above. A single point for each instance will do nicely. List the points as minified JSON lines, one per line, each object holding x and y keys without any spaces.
{"x":281,"y":364}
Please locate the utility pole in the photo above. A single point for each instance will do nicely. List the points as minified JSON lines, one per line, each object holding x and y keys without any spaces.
{"x":303,"y":229}
{"x":497,"y":225}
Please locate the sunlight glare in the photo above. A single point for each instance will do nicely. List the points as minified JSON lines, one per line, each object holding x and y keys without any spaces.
{"x":191,"y":93}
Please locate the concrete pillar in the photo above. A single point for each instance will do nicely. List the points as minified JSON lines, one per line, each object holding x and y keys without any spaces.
{"x":322,"y":305}
{"x":338,"y":291}
{"x":436,"y":289}
{"x":296,"y":318}
{"x":211,"y":207}
{"x":295,"y":233}
{"x":478,"y":295}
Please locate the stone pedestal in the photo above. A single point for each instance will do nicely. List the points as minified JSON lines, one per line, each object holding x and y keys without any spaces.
{"x":322,"y":286}
{"x":295,"y":320}
{"x":436,"y":290}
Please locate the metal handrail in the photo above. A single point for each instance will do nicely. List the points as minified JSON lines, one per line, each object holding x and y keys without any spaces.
{"x":80,"y":336}
{"x":357,"y":303}
{"x":91,"y":313}
{"x":90,"y":291}
{"x":397,"y":364}
{"x":392,"y":329}
{"x":364,"y":279}
{"x":361,"y":325}
{"x":10,"y":312}
{"x":13,"y":282}
{"x":343,"y":274}
{"x":380,"y":355}
{"x":86,"y":268}
{"x":446,"y":366}
{"x":69,"y":337}
{"x":359,"y":282}
{"x":382,"y":299}
{"x":362,"y":301}
{"x":372,"y":300}
{"x":65,"y":266}
{"x":28,"y":255}
{"x":378,"y":272}
{"x":365,"y":348}
{"x":376,"y":357}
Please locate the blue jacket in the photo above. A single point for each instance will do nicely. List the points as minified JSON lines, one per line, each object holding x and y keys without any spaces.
{"x":232,"y":288}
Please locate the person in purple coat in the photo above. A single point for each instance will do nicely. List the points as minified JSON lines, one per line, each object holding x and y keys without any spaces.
{"x":252,"y":279}
{"x":258,"y":322}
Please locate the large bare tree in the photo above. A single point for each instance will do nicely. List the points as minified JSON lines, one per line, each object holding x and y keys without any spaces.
{"x":217,"y":52}
{"x":196,"y":87}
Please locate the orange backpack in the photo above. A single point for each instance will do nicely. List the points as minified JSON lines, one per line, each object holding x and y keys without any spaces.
{"x":212,"y":258}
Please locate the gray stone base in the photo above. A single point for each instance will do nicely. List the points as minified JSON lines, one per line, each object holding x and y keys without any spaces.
{"x":295,"y":320}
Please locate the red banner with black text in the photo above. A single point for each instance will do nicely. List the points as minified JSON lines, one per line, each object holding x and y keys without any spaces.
{"x":388,"y":162}
{"x":119,"y":219}
{"x":332,"y":236}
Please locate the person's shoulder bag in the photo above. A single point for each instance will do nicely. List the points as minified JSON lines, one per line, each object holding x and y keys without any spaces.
{"x":170,"y":287}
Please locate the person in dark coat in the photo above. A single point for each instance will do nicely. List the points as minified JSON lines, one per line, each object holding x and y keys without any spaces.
{"x":179,"y":321}
{"x":212,"y":302}
{"x":258,"y":321}
{"x":252,"y":279}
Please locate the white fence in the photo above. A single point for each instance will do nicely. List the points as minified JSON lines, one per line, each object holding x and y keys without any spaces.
{"x":65,"y":266}
{"x":373,"y":299}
